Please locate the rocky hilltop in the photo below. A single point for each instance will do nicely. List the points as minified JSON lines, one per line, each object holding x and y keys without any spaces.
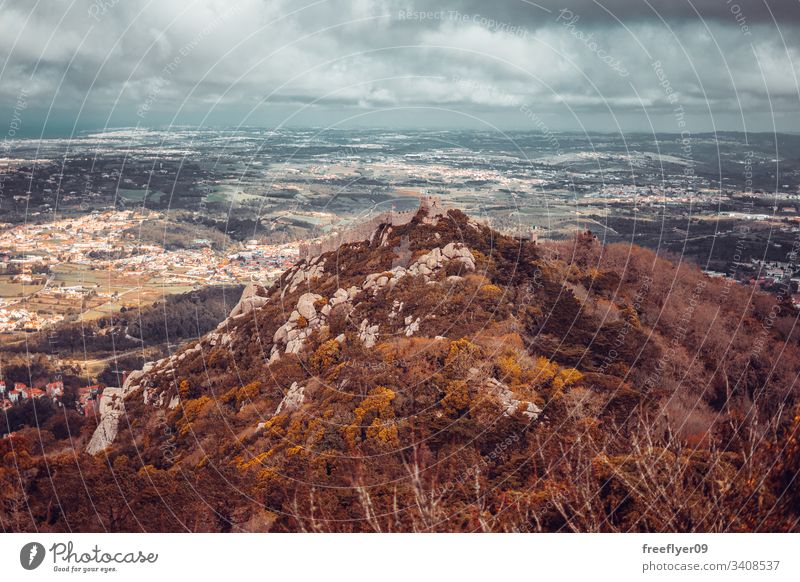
{"x":439,"y":376}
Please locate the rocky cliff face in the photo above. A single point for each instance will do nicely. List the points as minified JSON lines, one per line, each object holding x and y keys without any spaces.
{"x":440,"y":376}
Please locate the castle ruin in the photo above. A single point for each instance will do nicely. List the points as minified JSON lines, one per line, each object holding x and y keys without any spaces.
{"x":431,"y":205}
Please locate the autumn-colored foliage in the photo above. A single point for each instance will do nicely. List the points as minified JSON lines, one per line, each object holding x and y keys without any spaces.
{"x":564,"y":386}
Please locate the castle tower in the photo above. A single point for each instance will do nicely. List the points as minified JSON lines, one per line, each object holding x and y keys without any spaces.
{"x":432,"y":205}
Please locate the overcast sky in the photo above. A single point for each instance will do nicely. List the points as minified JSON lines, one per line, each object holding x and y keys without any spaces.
{"x":630,"y":65}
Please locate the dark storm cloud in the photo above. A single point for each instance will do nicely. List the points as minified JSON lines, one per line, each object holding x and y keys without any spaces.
{"x":630,"y":11}
{"x":252,"y":61}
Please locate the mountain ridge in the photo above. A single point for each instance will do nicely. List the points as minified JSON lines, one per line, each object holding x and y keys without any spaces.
{"x":440,"y":376}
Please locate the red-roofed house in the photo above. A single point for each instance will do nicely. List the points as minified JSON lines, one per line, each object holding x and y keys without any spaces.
{"x":55,"y":389}
{"x":35,"y":393}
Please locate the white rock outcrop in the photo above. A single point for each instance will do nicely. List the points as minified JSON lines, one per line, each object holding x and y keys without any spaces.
{"x":368,"y":333}
{"x":293,"y":333}
{"x":510,"y":402}
{"x":426,"y":266}
{"x":412,"y":325}
{"x":305,"y":305}
{"x":249,"y":301}
{"x":304,"y":273}
{"x":294,"y":398}
{"x":111,"y":409}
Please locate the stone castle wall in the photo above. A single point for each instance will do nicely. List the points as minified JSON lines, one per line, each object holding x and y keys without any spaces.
{"x":360,"y":232}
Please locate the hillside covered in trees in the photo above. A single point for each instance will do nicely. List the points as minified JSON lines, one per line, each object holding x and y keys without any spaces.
{"x":443,"y":377}
{"x":174,"y":319}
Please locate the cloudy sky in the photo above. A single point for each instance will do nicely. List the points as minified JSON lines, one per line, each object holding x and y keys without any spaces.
{"x":607,"y":65}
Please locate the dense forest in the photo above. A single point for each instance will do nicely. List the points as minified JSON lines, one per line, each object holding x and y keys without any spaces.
{"x":129,"y":338}
{"x":173,"y":234}
{"x":177,"y":318}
